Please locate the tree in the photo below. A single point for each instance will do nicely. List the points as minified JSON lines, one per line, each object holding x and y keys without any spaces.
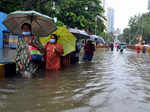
{"x":138,"y":25}
{"x":109,"y":37}
{"x":8,"y":6}
{"x":79,"y":14}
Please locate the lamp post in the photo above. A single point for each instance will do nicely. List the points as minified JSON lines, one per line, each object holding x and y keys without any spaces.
{"x":96,"y":24}
{"x":96,"y":18}
{"x":142,"y":29}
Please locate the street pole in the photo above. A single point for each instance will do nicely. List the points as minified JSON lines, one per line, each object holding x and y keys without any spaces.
{"x":96,"y":24}
{"x":129,"y":36}
{"x":96,"y":18}
{"x":141,"y":27}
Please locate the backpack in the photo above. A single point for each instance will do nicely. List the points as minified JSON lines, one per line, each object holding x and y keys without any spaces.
{"x":34,"y":53}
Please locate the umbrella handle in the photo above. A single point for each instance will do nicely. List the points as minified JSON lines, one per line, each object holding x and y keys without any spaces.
{"x":31,"y":19}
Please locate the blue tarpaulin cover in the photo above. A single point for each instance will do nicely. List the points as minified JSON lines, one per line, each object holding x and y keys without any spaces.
{"x":2,"y":27}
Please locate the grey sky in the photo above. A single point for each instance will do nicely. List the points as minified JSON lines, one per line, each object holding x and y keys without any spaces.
{"x":124,"y":9}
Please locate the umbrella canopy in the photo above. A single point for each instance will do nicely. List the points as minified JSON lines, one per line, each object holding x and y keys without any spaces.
{"x":97,"y":39}
{"x":79,"y":33}
{"x":42,"y":25}
{"x":65,"y":38}
{"x":147,"y":45}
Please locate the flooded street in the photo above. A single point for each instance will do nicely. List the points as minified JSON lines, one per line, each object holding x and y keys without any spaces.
{"x":113,"y":82}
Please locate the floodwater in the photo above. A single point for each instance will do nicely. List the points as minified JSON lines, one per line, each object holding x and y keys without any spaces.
{"x":113,"y":82}
{"x":7,"y":54}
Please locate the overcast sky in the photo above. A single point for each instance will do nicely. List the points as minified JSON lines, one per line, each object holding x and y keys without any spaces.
{"x":124,"y":9}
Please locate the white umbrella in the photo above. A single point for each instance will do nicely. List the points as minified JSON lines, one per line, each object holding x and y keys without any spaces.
{"x":147,"y":45}
{"x":79,"y":33}
{"x":97,"y":39}
{"x":42,"y":25}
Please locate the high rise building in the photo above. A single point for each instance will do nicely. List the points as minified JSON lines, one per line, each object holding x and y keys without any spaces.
{"x":109,"y":15}
{"x":148,"y":4}
{"x":110,"y":20}
{"x":105,"y":5}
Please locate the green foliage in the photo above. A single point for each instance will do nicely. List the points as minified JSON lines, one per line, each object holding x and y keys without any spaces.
{"x":109,"y":37}
{"x":79,"y":14}
{"x":59,"y":23}
{"x":138,"y":25}
{"x":8,"y":6}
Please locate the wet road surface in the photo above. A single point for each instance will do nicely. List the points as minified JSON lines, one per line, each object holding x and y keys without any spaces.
{"x":113,"y":82}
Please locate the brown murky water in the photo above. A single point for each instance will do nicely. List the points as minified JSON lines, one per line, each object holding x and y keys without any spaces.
{"x":113,"y":82}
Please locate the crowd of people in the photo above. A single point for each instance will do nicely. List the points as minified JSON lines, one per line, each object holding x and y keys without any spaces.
{"x":142,"y":49}
{"x":119,"y":47}
{"x":32,"y":56}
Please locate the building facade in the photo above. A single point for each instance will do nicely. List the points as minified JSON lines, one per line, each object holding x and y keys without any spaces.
{"x":105,"y":6}
{"x":149,"y":5}
{"x":110,"y":20}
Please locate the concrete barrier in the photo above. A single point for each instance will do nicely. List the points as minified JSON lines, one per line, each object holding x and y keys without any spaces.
{"x":102,"y":46}
{"x":2,"y":72}
{"x":131,"y":47}
{"x":7,"y":70}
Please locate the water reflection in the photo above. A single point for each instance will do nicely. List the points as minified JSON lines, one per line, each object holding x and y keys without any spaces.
{"x":113,"y":82}
{"x":7,"y":54}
